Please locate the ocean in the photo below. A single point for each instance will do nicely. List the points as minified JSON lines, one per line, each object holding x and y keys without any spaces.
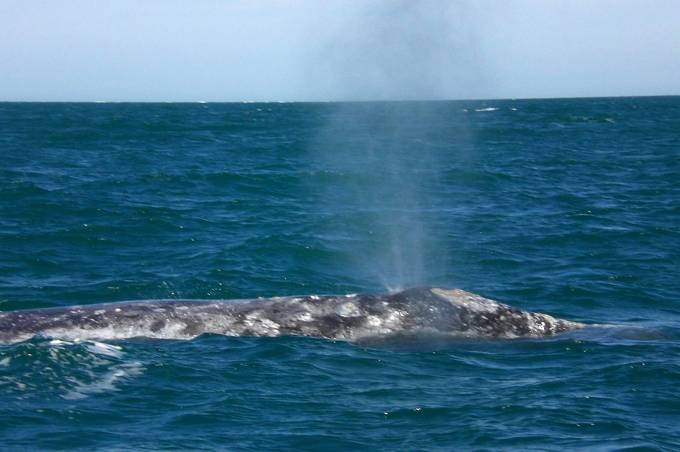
{"x":565,"y":206}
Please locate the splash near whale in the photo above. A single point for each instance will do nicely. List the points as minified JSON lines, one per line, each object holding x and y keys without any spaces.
{"x":452,"y":312}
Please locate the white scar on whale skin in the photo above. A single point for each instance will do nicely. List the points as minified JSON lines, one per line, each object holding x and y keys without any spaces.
{"x":452,"y":312}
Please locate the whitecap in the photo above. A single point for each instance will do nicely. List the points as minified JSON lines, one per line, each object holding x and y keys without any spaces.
{"x":108,"y":382}
{"x":105,"y":349}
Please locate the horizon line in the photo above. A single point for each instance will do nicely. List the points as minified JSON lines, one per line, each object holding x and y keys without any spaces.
{"x":481,"y":99}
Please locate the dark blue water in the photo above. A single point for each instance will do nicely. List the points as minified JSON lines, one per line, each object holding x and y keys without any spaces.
{"x":570,"y":207}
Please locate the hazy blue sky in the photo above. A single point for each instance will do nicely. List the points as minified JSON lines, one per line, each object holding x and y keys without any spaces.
{"x":336,"y":49}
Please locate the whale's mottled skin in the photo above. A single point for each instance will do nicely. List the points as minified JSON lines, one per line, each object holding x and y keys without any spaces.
{"x":452,"y":312}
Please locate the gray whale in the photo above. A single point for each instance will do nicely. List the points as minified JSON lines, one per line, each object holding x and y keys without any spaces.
{"x":452,"y":312}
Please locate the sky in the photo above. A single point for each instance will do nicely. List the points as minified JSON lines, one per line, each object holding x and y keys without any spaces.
{"x":329,"y":50}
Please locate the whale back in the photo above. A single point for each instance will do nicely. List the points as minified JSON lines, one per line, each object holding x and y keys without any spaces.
{"x":452,"y":312}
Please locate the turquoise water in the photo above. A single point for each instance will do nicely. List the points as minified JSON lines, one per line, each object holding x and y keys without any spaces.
{"x":570,"y":207}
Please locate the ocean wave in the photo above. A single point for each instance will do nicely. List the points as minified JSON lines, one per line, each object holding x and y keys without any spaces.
{"x":49,"y":368}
